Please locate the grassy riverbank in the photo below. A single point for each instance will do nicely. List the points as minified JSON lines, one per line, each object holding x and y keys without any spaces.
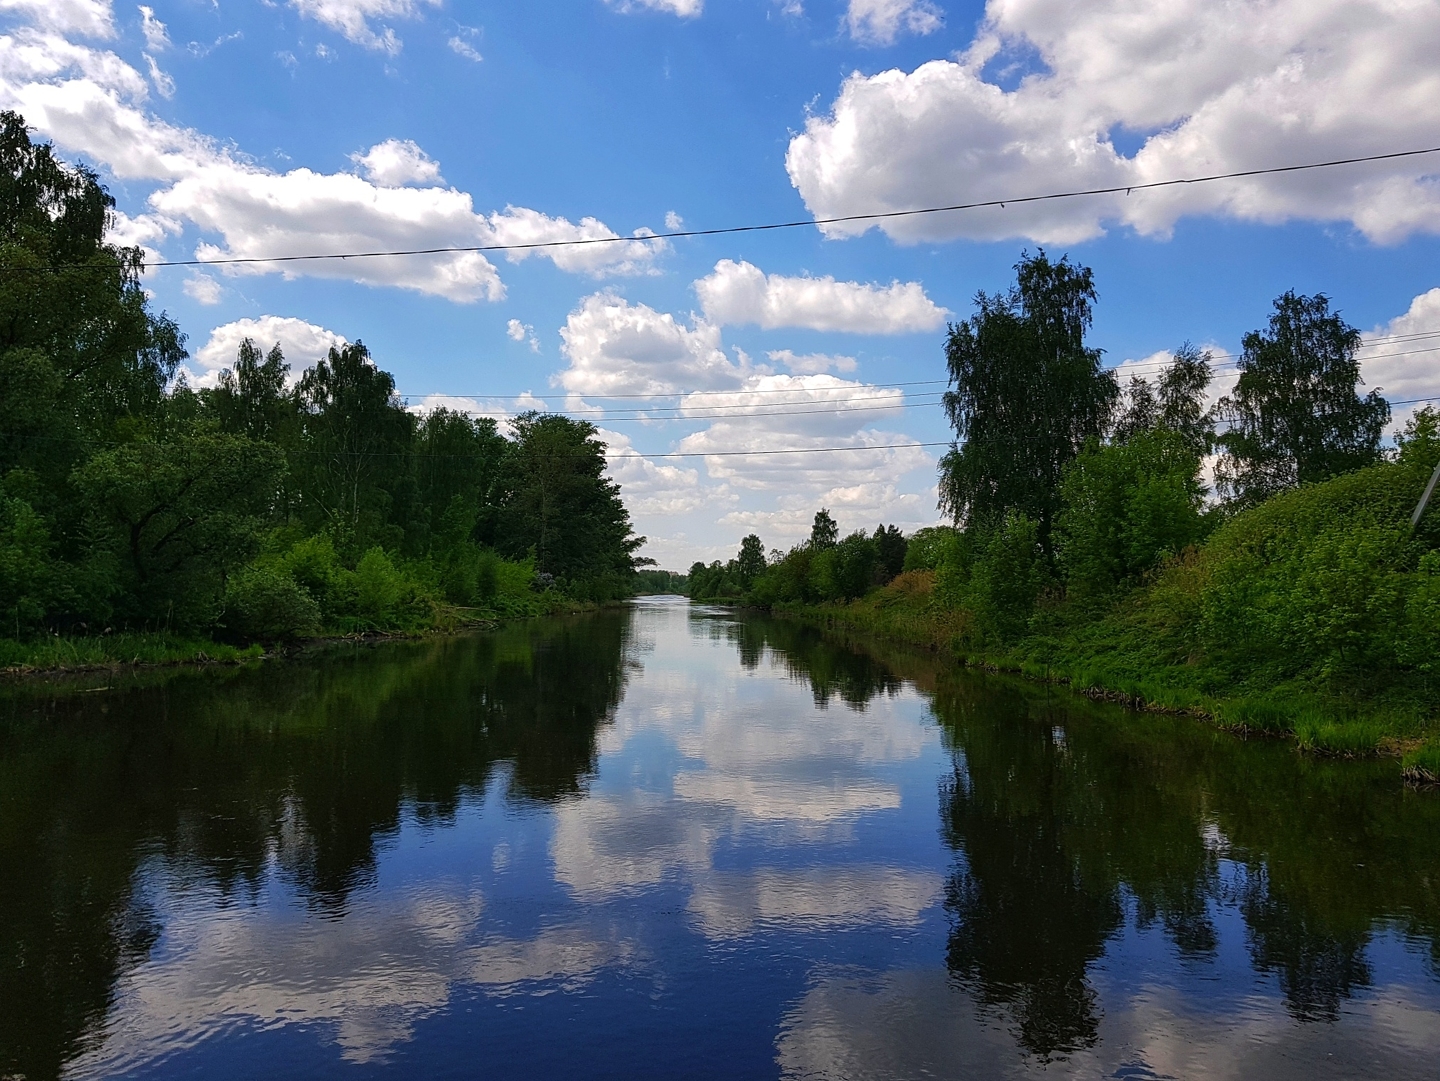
{"x":74,"y":653}
{"x":1132,"y":654}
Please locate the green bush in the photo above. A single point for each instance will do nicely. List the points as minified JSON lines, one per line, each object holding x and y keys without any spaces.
{"x":928,"y":547}
{"x":264,"y":602}
{"x":379,"y":587}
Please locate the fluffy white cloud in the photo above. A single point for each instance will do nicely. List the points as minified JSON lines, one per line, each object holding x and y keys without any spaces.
{"x":618,"y":348}
{"x":736,"y":293}
{"x":651,"y":488}
{"x":397,"y":162}
{"x":1403,"y":360}
{"x":302,"y":343}
{"x":90,"y":102}
{"x":686,"y":9}
{"x":157,"y":39}
{"x":92,"y":18}
{"x":880,"y":22}
{"x":352,"y":18}
{"x":1213,"y":87}
{"x":615,"y":347}
{"x":517,"y":225}
{"x":811,"y":363}
{"x":202,"y":289}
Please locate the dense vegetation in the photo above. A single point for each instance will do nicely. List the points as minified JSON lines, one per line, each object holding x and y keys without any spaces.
{"x":1299,"y":600}
{"x":142,"y":511}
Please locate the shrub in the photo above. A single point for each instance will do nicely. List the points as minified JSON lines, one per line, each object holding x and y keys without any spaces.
{"x":379,"y":587}
{"x":264,"y":602}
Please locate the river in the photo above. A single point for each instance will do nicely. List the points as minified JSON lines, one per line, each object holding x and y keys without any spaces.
{"x":675,"y":841}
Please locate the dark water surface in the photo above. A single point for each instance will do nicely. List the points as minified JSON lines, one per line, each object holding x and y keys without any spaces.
{"x":675,"y":842}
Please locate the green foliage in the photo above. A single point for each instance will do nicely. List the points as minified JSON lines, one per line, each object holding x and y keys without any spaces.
{"x":263,"y":602}
{"x":927,"y":547}
{"x":1027,"y":395}
{"x":134,"y":502}
{"x":554,"y":500}
{"x":176,"y":514}
{"x":1128,"y":507}
{"x":891,"y":548}
{"x":1294,"y":416}
{"x":824,"y":533}
{"x":655,"y":582}
{"x":750,"y":563}
{"x":844,"y":570}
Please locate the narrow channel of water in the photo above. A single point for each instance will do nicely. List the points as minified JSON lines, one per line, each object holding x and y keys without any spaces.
{"x":672,"y":841}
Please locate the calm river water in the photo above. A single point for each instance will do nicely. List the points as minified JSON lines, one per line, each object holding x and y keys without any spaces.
{"x":673,"y":841}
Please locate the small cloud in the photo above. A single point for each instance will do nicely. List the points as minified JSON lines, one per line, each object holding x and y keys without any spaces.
{"x":288,"y":59}
{"x":673,"y":221}
{"x":324,"y":53}
{"x":156,"y":37}
{"x":461,"y":47}
{"x":164,"y":85}
{"x":812,"y":363}
{"x":203,"y":289}
{"x":517,"y":331}
{"x":880,"y":22}
{"x":397,"y":162}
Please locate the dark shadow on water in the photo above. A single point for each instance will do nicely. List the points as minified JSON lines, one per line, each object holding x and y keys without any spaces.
{"x":312,"y":763}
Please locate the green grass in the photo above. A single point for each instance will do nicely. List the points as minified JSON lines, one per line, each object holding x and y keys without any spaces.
{"x":59,"y":653}
{"x":1422,"y":764}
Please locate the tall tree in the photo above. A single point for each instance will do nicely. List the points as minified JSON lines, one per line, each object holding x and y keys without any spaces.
{"x":1295,"y":416}
{"x":251,"y":398}
{"x":556,"y":502}
{"x":751,"y":561}
{"x":1183,"y":387}
{"x":824,"y":532}
{"x":356,"y":435}
{"x":1027,"y":392}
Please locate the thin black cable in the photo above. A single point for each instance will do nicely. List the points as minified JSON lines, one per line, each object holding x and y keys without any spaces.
{"x":772,"y":226}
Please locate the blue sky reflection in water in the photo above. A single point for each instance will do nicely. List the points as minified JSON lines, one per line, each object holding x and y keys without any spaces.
{"x":685,"y":843}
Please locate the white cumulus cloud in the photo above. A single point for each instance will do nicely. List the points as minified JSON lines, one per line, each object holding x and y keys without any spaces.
{"x":91,"y":18}
{"x":91,"y":102}
{"x":397,"y":162}
{"x":1208,"y":88}
{"x":738,"y":293}
{"x":354,"y":18}
{"x":461,"y":47}
{"x":1404,"y":360}
{"x":615,"y":347}
{"x":303,"y":343}
{"x":880,"y":22}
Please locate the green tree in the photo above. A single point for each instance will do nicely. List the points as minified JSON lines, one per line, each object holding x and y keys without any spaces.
{"x":824,"y":533}
{"x":177,"y":515}
{"x":1295,"y":416}
{"x":1183,"y":386}
{"x":1026,"y":394}
{"x":556,"y":502}
{"x":890,"y":548}
{"x":751,"y":562}
{"x":1127,"y":506}
{"x":83,"y":362}
{"x":251,"y":398}
{"x":356,"y":438}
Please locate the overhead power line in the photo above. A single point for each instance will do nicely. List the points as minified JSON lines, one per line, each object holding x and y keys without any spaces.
{"x":842,"y":219}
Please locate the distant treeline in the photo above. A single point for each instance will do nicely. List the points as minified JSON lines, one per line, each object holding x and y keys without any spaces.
{"x":266,"y":506}
{"x":1086,"y":540}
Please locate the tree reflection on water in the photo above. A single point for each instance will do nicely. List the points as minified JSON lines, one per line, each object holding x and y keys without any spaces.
{"x":309,"y":764}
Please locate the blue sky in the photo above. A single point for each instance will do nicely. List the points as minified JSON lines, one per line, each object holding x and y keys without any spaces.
{"x":250,"y":127}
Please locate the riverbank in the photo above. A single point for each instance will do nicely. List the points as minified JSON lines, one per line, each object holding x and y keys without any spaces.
{"x":63,"y":654}
{"x":1123,"y":657}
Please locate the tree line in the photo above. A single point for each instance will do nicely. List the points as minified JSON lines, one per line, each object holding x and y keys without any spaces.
{"x":1264,"y":537}
{"x":265,"y":506}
